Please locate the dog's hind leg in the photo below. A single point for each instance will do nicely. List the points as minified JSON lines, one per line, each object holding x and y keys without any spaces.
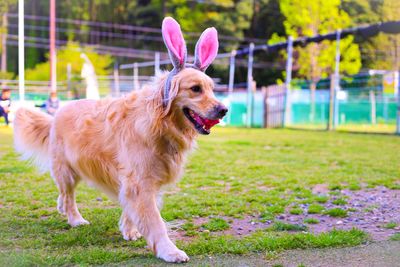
{"x":66,"y":181}
{"x":128,"y":228}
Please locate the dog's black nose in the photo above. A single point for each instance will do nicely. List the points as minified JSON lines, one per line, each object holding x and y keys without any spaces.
{"x":221,"y":111}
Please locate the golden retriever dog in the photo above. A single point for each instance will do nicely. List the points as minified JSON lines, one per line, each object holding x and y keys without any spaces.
{"x":132,"y":146}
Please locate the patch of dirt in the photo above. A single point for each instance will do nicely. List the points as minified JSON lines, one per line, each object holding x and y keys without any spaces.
{"x":374,"y":208}
{"x":369,"y":210}
{"x":320,"y":189}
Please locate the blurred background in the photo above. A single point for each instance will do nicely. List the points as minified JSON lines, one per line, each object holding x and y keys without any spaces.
{"x":331,"y":64}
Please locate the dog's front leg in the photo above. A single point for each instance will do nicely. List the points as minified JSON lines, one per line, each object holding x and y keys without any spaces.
{"x":139,"y":203}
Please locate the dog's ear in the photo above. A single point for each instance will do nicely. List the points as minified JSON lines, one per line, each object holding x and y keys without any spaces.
{"x":173,"y":39}
{"x":206,"y":49}
{"x":172,"y":93}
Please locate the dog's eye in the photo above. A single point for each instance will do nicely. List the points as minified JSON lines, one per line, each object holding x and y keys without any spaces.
{"x":196,"y":89}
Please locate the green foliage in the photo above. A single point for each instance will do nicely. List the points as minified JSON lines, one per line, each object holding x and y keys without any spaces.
{"x":224,"y":184}
{"x":339,"y":201}
{"x":280,"y":226}
{"x":190,"y":228}
{"x":296,"y":211}
{"x":229,"y":17}
{"x":6,"y":75}
{"x":336,"y":212}
{"x":321,"y":199}
{"x":395,"y":237}
{"x":390,"y":225}
{"x":216,"y":224}
{"x":70,"y":54}
{"x":315,"y":209}
{"x":309,"y":18}
{"x":360,"y":11}
{"x":311,"y":221}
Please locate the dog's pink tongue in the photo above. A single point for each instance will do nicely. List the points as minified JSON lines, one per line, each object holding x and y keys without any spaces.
{"x":209,"y":123}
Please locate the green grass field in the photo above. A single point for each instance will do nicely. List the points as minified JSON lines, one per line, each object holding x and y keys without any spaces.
{"x":235,"y":173}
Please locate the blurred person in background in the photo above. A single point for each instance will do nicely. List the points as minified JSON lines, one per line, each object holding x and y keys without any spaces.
{"x":5,"y":104}
{"x":51,"y":105}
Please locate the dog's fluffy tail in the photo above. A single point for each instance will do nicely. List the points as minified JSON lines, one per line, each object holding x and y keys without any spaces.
{"x":31,"y":136}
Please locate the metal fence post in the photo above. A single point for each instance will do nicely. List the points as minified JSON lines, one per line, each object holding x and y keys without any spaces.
{"x":116,"y":80}
{"x":372,"y":101}
{"x":156,"y":63}
{"x":135,"y":76}
{"x":249,"y":117}
{"x":332,"y":95}
{"x":289,"y":63}
{"x":231,"y":71}
{"x":231,"y":81}
{"x":337,"y":80}
{"x":398,"y":108}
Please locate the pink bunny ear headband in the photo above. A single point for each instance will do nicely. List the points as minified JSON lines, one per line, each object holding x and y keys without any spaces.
{"x":205,"y":52}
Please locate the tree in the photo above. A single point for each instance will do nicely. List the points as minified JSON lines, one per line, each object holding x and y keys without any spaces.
{"x":230,"y":17}
{"x":316,"y":60}
{"x":383,"y":51}
{"x":69,"y":54}
{"x":4,"y":8}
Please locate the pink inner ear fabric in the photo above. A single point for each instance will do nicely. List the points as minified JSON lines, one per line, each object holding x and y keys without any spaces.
{"x":173,"y":37}
{"x":208,"y":47}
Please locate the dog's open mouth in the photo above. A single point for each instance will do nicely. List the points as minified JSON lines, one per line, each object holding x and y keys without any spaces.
{"x":202,"y":125}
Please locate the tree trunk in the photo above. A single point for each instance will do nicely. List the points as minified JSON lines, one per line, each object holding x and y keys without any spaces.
{"x":164,"y":8}
{"x":4,"y":44}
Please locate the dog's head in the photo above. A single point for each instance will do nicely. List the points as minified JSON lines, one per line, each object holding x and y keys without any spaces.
{"x":188,"y":90}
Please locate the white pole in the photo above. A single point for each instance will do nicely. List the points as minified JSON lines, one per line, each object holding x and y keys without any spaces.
{"x":53,"y":55}
{"x":116,"y":80}
{"x":372,"y":101}
{"x":231,"y":71}
{"x":231,"y":83}
{"x":156,"y":63}
{"x":249,"y":117}
{"x":21,"y":51}
{"x":289,"y":65}
{"x":135,"y":76}
{"x":337,"y":81}
{"x":397,"y":89}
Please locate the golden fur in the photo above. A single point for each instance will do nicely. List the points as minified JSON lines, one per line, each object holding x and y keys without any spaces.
{"x":128,"y":147}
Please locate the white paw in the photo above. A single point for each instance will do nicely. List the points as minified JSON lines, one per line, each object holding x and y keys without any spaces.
{"x":132,"y":234}
{"x":77,"y":222}
{"x":175,"y":255}
{"x":60,"y":205}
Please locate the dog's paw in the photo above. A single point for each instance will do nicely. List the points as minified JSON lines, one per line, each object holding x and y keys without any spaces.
{"x":176,"y":255}
{"x":77,"y":222}
{"x":60,"y":205}
{"x":132,"y":234}
{"x":61,"y":210}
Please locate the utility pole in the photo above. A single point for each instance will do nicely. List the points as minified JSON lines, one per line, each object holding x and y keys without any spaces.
{"x":21,"y":51}
{"x":53,"y":59}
